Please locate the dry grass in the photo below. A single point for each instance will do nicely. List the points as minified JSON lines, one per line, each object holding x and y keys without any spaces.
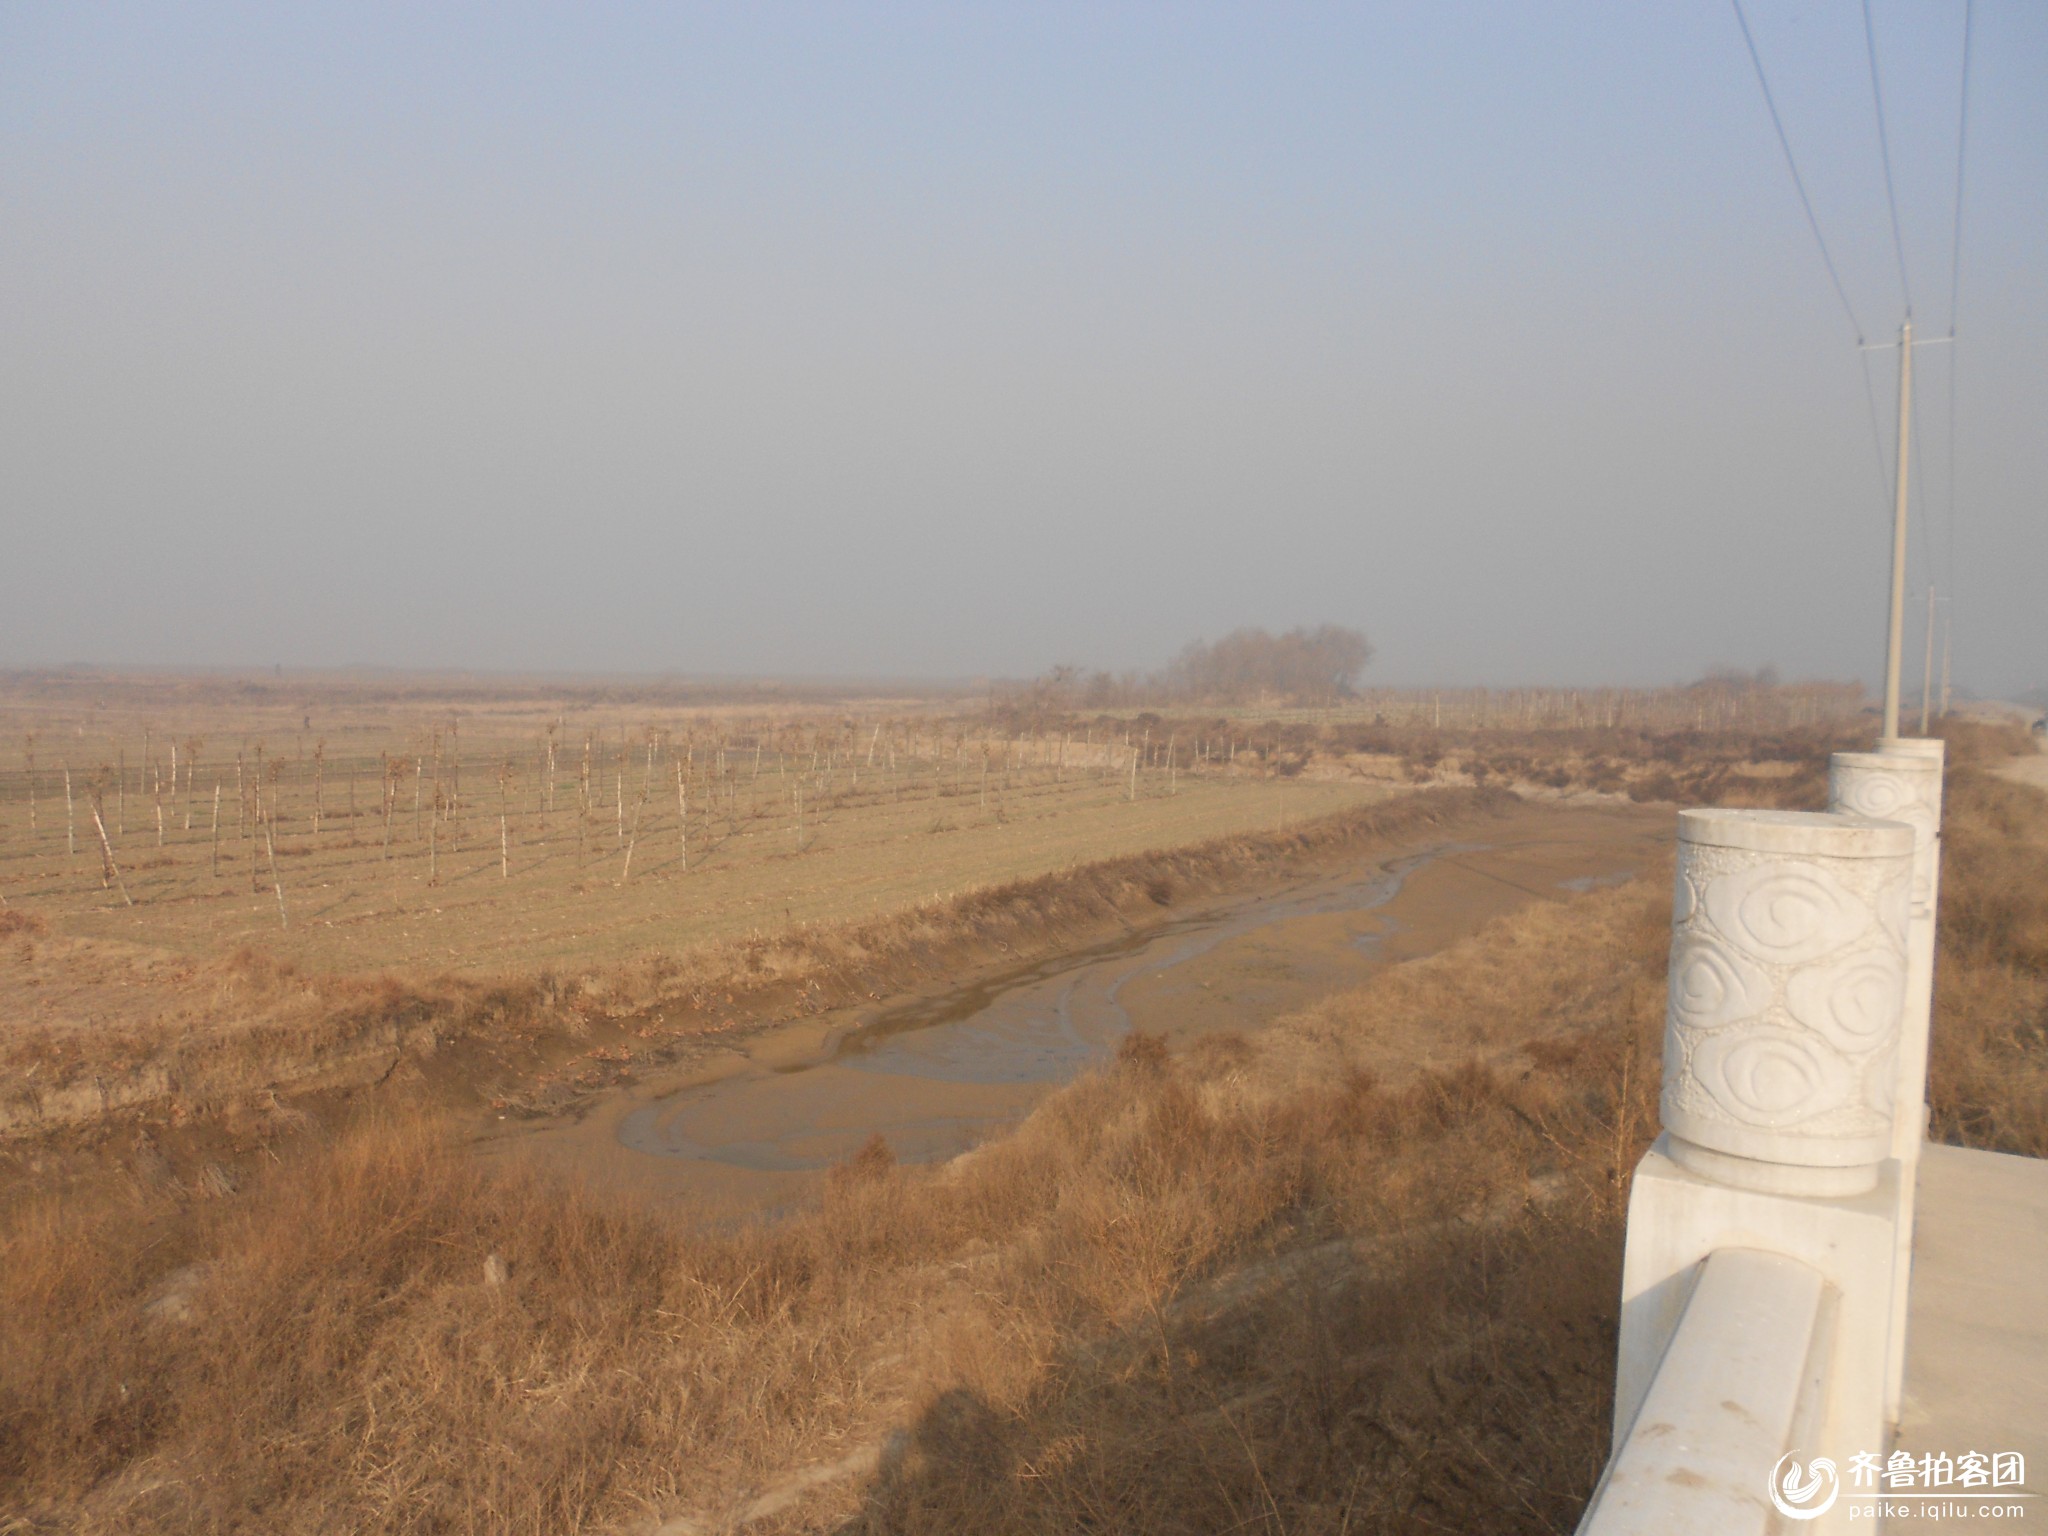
{"x":1988,"y":1068}
{"x":1276,"y":1283}
{"x":1183,"y":1264}
{"x":1689,"y":767}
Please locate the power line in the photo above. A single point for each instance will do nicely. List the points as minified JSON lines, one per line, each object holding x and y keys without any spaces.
{"x":1884,"y":150}
{"x":1798,"y":182}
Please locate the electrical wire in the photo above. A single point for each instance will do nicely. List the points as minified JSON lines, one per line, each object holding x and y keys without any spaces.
{"x":1798,"y":181}
{"x":1884,"y":150}
{"x":1884,"y":477}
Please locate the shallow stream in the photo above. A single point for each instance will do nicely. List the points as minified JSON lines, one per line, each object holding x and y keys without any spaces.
{"x":751,"y":1125}
{"x":1037,"y":1025}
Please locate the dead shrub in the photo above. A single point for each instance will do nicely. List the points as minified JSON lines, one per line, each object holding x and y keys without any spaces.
{"x":1141,"y":1053}
{"x":27,"y":924}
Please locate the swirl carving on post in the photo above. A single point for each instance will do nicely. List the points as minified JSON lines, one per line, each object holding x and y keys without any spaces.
{"x":1894,"y":786}
{"x":1787,"y":982}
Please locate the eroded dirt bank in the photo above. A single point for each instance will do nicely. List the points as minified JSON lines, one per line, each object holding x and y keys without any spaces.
{"x":934,"y":1072}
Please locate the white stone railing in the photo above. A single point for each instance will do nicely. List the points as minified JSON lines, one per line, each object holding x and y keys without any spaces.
{"x":1739,"y":1382}
{"x":1770,"y":1226}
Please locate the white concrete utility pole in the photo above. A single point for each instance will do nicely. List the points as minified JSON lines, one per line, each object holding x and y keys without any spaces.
{"x":1947,"y":634}
{"x":1894,"y":634}
{"x":1927,"y":666}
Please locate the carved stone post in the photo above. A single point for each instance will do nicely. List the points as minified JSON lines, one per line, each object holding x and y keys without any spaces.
{"x":1901,"y":782}
{"x":1788,"y":975}
{"x":1789,"y":944}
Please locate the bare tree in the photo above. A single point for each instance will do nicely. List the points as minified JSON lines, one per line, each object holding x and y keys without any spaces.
{"x":270,"y":842}
{"x":1310,"y":666}
{"x":639,"y":809}
{"x":683,"y":811}
{"x":192,"y":748}
{"x":110,"y":872}
{"x":504,"y":828}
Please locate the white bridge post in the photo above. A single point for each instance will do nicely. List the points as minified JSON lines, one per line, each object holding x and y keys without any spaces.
{"x":1787,"y":984}
{"x":1787,"y":994}
{"x":1901,"y":781}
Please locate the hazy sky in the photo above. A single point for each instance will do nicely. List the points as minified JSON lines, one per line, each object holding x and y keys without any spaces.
{"x":968,"y":338}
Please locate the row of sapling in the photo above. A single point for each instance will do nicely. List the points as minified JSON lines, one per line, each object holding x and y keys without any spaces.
{"x":825,"y":768}
{"x":826,"y":758}
{"x":825,"y":771}
{"x":833,"y":769}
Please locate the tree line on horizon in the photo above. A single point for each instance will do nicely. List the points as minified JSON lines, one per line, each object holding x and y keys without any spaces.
{"x":1321,"y":666}
{"x":1307,"y":665}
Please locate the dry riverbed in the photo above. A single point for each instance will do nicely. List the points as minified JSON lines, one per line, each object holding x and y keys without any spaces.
{"x":752,"y":1126}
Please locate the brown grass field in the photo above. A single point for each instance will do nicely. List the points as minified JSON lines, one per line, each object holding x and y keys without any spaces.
{"x":450,"y":844}
{"x":1284,"y":1281}
{"x":467,"y":831}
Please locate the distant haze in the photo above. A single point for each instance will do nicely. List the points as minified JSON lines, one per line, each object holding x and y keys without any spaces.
{"x":945,"y":340}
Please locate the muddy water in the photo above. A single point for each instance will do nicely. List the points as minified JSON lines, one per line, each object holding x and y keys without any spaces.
{"x":1032,"y":1027}
{"x":936,"y":1074}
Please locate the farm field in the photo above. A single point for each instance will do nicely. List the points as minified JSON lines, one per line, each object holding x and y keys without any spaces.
{"x":212,"y":892}
{"x":400,"y":839}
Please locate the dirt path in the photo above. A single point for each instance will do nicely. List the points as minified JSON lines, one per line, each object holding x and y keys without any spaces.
{"x":937,"y":1073}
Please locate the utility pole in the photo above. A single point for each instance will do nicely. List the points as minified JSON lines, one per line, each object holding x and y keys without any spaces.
{"x":1893,"y":633}
{"x":1947,"y":634}
{"x":1927,"y":665}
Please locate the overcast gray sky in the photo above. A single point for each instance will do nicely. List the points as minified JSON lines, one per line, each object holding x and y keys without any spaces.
{"x":969,"y":338}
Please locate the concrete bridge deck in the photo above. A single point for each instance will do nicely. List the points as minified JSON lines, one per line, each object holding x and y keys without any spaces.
{"x":1977,"y":1330}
